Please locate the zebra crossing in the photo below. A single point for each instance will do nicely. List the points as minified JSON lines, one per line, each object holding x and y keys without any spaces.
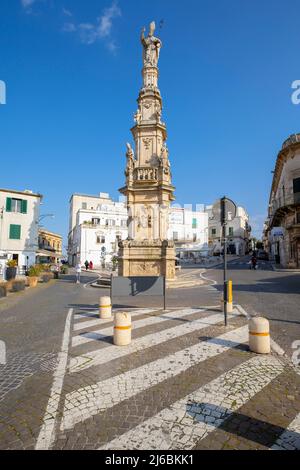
{"x":182,"y":377}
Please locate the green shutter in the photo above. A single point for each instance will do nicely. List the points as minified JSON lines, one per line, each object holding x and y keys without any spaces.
{"x":8,"y":204}
{"x":14,"y":232}
{"x":24,"y":206}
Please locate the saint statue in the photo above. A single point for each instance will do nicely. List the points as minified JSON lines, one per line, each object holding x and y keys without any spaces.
{"x":164,"y":156}
{"x":151,"y":47}
{"x":130,"y":160}
{"x":138,"y":116}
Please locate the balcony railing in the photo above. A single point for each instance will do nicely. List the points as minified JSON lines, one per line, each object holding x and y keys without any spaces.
{"x":285,"y":199}
{"x":145,"y":174}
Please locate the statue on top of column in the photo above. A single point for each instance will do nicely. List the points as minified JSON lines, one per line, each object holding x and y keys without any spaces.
{"x":151,"y":47}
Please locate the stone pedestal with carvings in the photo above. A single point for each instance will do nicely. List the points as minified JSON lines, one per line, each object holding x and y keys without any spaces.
{"x":149,"y":190}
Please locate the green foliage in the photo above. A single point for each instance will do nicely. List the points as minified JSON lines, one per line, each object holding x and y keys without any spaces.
{"x":64,"y":269}
{"x":11,"y":263}
{"x":35,"y":270}
{"x":45,"y":267}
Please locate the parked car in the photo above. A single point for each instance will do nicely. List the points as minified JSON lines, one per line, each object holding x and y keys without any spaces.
{"x":262,"y":254}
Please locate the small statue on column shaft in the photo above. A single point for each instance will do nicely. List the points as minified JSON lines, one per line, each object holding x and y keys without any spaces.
{"x":130,"y":163}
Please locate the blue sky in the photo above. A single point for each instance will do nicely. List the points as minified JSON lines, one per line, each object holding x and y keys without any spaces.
{"x":73,"y":72}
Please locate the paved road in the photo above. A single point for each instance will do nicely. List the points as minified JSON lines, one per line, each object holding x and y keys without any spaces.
{"x":275,"y":295}
{"x":185,"y":382}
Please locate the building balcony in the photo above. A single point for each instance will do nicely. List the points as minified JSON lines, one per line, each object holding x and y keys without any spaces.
{"x":181,"y":241}
{"x":145,"y":174}
{"x":281,"y":206}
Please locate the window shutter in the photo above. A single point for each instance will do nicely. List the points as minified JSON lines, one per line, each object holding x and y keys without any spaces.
{"x":8,"y":204}
{"x":24,"y":206}
{"x":15,"y":232}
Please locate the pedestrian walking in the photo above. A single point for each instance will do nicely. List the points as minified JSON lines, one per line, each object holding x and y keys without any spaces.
{"x":91,"y":265}
{"x":86,"y":263}
{"x":78,"y":272}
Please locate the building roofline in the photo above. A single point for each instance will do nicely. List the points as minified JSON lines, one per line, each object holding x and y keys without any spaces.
{"x":91,"y":196}
{"x":42,"y":230}
{"x":14,"y":191}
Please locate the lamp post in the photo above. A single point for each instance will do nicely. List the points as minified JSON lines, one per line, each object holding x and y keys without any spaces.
{"x":43,"y":216}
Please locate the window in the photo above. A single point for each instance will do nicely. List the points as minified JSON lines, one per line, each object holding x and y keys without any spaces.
{"x":296,"y":185}
{"x":16,"y":205}
{"x":175,"y":236}
{"x":96,"y":221}
{"x":231,"y":231}
{"x":14,"y":232}
{"x":296,"y":190}
{"x":213,"y":231}
{"x":194,"y":223}
{"x":194,"y":237}
{"x":102,"y":239}
{"x":98,"y":239}
{"x":84,"y":205}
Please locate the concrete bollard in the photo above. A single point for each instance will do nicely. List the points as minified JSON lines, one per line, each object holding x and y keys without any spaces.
{"x":122,"y":329}
{"x":105,"y":307}
{"x":259,"y":335}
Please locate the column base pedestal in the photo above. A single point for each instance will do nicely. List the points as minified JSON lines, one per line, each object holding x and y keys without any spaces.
{"x":147,"y":258}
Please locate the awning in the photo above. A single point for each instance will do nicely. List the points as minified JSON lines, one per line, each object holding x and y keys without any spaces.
{"x":48,"y":254}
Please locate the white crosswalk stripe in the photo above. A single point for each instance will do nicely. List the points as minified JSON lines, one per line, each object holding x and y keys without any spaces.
{"x":151,"y":320}
{"x":88,"y":401}
{"x":101,"y":321}
{"x":192,"y":418}
{"x":113,"y":352}
{"x":191,"y":415}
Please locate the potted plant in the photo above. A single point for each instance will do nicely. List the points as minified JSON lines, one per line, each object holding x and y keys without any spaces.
{"x":11,"y":269}
{"x":33,"y":275}
{"x":114,"y":260}
{"x":64,"y":269}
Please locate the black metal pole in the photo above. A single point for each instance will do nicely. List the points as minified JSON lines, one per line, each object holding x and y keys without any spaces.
{"x":223,"y":222}
{"x":111,"y":290}
{"x":164,"y":292}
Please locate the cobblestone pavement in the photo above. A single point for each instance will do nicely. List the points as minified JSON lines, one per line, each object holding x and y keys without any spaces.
{"x":185,"y":382}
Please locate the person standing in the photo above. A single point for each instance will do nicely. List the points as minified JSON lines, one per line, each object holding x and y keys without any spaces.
{"x":78,"y":272}
{"x":86,"y":263}
{"x":91,"y":265}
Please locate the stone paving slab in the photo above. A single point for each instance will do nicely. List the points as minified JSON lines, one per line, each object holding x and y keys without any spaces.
{"x":131,"y":401}
{"x":186,"y":381}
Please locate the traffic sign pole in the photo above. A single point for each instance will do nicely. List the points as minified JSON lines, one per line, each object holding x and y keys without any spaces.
{"x":224,"y":210}
{"x":223,"y":221}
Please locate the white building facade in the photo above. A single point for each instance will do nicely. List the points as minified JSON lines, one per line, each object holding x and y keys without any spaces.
{"x":238,"y":232}
{"x":19,"y":218}
{"x":97,"y":224}
{"x":189,"y":230}
{"x":282,"y":230}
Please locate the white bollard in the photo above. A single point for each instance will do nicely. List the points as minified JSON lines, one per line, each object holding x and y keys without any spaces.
{"x":122,"y":329}
{"x":105,"y":307}
{"x":259,"y":335}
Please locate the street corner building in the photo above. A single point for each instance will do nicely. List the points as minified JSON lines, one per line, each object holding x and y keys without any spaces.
{"x":282,"y":228}
{"x":148,"y":189}
{"x":19,"y":215}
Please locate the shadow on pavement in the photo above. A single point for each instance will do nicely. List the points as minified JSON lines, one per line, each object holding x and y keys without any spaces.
{"x":238,"y":424}
{"x":278,"y":285}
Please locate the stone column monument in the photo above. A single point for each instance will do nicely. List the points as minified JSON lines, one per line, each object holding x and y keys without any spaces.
{"x":148,"y":188}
